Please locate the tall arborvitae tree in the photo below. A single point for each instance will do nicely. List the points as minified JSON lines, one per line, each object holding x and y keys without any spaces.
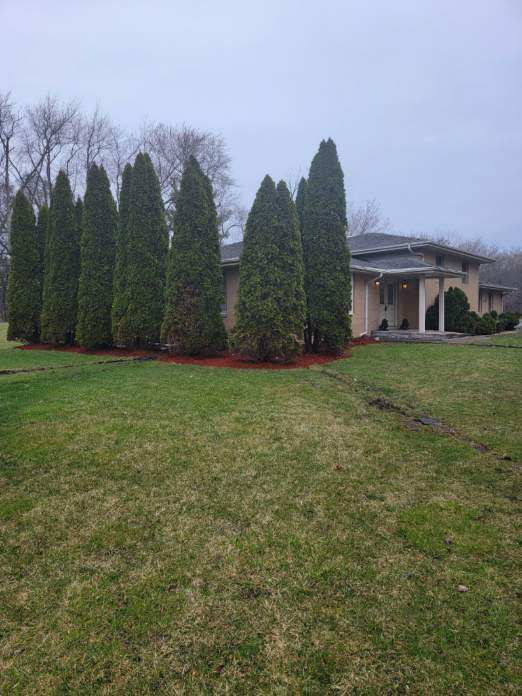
{"x":193,"y":324}
{"x":78,"y":209}
{"x":290,"y":268}
{"x":270,"y":309}
{"x":120,"y":265}
{"x":146,"y":258}
{"x":41,"y":240}
{"x":24,"y":289}
{"x":326,"y":253}
{"x":100,"y":218}
{"x":62,"y":266}
{"x":300,"y":201}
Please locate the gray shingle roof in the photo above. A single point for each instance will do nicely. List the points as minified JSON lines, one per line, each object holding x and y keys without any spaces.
{"x":370,"y":244}
{"x":398,"y":261}
{"x":492,"y":286}
{"x":230,"y":252}
{"x":376,"y":240}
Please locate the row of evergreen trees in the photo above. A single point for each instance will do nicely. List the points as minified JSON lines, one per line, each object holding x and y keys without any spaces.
{"x":98,"y":276}
{"x":295,"y":280}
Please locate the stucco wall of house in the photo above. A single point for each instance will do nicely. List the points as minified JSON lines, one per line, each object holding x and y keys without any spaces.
{"x":454,"y":263}
{"x":358,"y":304}
{"x":496,"y":304}
{"x":231,"y":279}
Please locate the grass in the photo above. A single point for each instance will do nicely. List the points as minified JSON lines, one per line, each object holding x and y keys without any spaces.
{"x":12,"y":359}
{"x":473,"y":389}
{"x":512,"y":339}
{"x":181,"y":529}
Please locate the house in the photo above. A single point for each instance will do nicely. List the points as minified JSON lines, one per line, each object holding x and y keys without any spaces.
{"x":394,"y":278}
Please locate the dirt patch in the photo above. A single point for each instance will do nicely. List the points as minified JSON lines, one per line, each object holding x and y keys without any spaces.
{"x":222,"y":360}
{"x":408,"y":417}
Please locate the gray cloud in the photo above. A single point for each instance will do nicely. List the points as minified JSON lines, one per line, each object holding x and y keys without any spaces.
{"x":422,"y":97}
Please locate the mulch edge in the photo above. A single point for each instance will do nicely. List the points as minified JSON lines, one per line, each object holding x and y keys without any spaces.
{"x":225,"y":360}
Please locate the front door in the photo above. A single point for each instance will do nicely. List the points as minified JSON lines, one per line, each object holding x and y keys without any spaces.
{"x":387,"y":302}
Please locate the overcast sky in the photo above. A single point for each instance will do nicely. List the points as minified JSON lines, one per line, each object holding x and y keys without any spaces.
{"x":422,"y":97}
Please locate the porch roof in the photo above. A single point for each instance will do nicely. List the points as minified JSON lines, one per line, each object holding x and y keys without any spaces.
{"x":500,"y":288}
{"x":402,"y":264}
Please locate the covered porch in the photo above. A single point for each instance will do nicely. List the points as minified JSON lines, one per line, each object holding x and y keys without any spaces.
{"x":398,"y":299}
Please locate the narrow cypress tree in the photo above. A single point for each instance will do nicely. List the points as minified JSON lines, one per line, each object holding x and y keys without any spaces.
{"x":93,"y":329}
{"x":120,"y":265}
{"x":78,"y":210}
{"x":62,"y":261}
{"x":326,"y":254}
{"x":41,"y":237}
{"x":300,"y":201}
{"x":290,"y":269}
{"x":146,"y":258}
{"x":193,"y":324}
{"x":270,"y":308}
{"x":23,"y":290}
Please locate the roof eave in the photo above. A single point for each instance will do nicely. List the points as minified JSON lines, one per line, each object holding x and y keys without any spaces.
{"x":418,"y":245}
{"x":499,"y":288}
{"x":230,"y":262}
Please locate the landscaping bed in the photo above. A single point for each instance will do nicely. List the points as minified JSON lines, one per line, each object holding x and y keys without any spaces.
{"x":223,"y":360}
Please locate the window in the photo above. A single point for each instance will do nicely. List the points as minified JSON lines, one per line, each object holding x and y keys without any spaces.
{"x":391,"y":294}
{"x":381,"y":293}
{"x":465,"y":269}
{"x":439,"y":260}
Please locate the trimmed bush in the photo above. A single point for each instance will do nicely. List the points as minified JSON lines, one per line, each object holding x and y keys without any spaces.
{"x":146,"y":259}
{"x":486,"y":325}
{"x":24,"y":286}
{"x":193,"y":324}
{"x":456,"y":308}
{"x":99,"y":223}
{"x":62,"y":267}
{"x":507,"y":321}
{"x":270,"y":308}
{"x":470,"y":323}
{"x":120,"y":263}
{"x":326,"y":254}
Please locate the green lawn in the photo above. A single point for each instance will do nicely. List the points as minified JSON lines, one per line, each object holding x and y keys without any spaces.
{"x":511,"y":339}
{"x":12,"y":359}
{"x":178,"y":529}
{"x":473,"y":389}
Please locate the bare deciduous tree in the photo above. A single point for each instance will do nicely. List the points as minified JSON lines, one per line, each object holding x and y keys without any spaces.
{"x":170,"y":147}
{"x":50,"y":135}
{"x":367,"y":218}
{"x":50,"y":130}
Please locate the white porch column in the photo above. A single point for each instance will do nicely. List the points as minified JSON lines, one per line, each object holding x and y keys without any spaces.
{"x":366,"y":283}
{"x":422,"y":305}
{"x":441,"y":304}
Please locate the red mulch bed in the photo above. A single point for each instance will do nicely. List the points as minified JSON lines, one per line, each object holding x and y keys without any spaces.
{"x":224,"y":360}
{"x":239,"y":364}
{"x":363,"y":341}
